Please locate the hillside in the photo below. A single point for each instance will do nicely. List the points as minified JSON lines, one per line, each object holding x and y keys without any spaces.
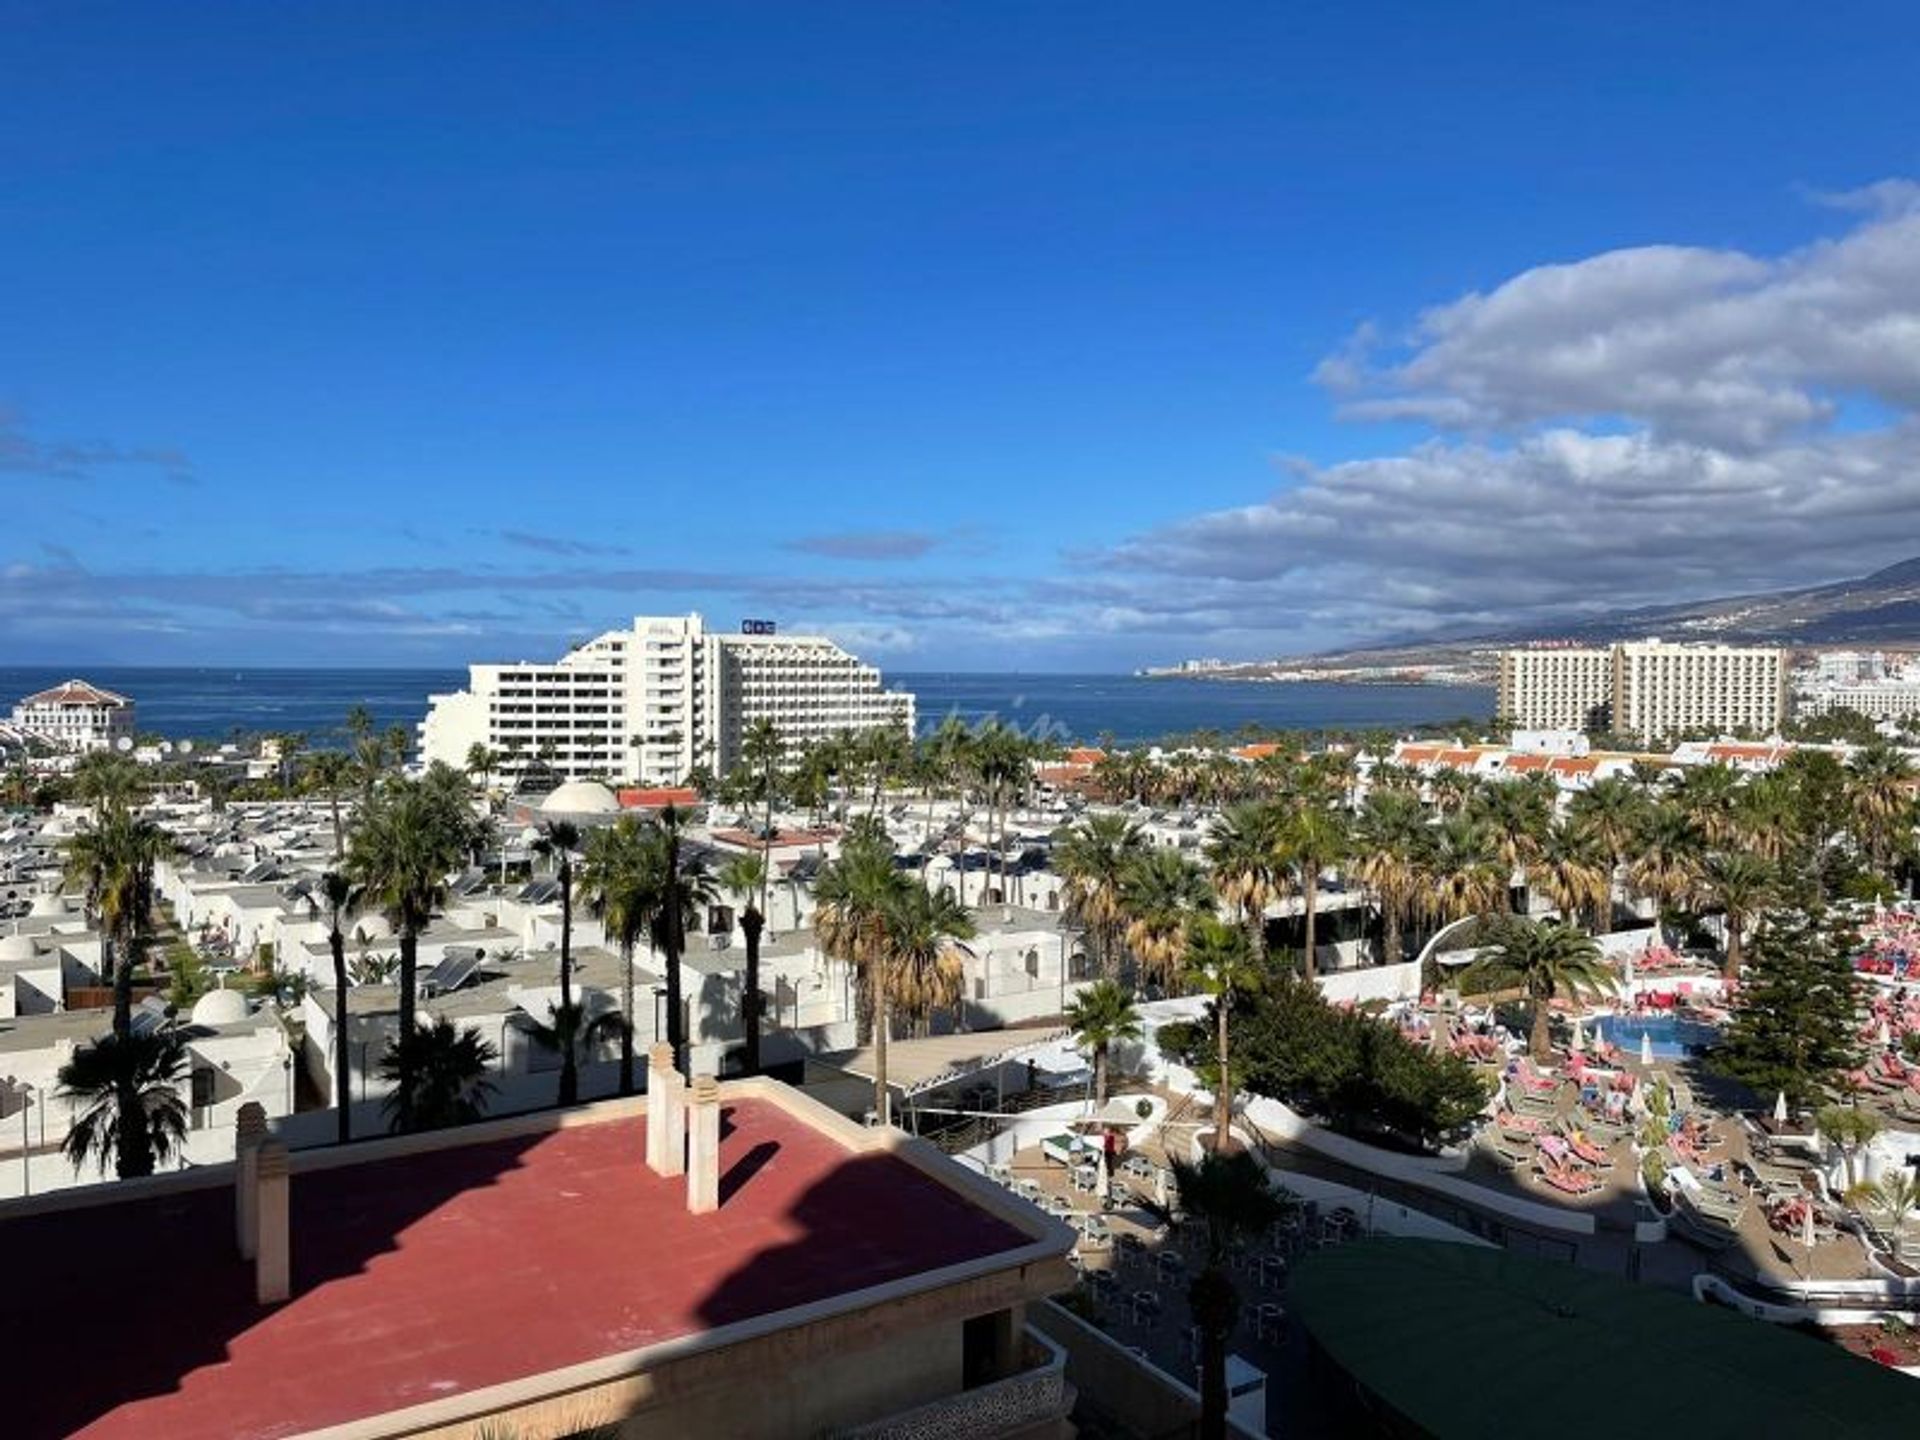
{"x":1880,"y":610}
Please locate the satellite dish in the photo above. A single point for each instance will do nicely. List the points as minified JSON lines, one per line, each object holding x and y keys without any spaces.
{"x":186,"y":747}
{"x":166,"y":747}
{"x":123,"y":744}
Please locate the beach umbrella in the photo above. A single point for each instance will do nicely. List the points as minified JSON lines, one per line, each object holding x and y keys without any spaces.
{"x":1806,"y":1226}
{"x":1883,"y":1035}
{"x":1579,"y":1040}
{"x":1646,"y":1048}
{"x":1780,"y":1107}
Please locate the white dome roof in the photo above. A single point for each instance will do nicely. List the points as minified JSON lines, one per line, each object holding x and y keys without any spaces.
{"x":220,"y":1007}
{"x":48,"y":907}
{"x":17,"y":947}
{"x":581,"y":797}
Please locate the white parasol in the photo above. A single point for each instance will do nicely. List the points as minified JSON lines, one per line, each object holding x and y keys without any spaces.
{"x":1806,"y":1227}
{"x":1646,"y":1048}
{"x":1780,"y":1107}
{"x":1884,"y":1035}
{"x":1579,"y":1040}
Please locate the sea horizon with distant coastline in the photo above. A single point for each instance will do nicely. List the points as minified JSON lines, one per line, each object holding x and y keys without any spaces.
{"x":212,"y":703}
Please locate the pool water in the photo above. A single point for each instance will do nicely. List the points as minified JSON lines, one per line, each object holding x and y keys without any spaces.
{"x":1673,"y":1038}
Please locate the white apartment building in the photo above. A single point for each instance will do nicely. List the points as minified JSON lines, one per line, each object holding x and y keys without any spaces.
{"x":1556,"y":687}
{"x":648,"y":705}
{"x":1876,"y":699}
{"x":1662,"y":689}
{"x":76,"y":716}
{"x":1648,"y":688}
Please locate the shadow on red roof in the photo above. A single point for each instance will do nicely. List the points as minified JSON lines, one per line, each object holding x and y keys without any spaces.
{"x":422,"y":1277}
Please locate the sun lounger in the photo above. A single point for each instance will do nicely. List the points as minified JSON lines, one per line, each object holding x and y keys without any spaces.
{"x":1568,"y":1179}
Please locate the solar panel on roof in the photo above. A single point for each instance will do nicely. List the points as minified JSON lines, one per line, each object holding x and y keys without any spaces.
{"x":454,"y":970}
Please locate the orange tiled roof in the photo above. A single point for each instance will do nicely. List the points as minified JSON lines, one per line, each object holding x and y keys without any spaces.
{"x":1526,"y":762}
{"x":76,"y":692}
{"x":1259,"y":750}
{"x":658,"y":797}
{"x":1085,"y":755}
{"x":1574,"y":765}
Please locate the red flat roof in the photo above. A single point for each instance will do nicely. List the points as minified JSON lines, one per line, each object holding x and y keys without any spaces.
{"x":421,"y":1277}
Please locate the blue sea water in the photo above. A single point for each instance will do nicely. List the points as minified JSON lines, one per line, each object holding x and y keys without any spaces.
{"x":212,"y":704}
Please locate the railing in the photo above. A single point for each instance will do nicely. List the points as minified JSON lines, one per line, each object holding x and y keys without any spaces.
{"x":1032,"y":1397}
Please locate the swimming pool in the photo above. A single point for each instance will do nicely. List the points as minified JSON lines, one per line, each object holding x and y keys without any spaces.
{"x":1673,"y":1038}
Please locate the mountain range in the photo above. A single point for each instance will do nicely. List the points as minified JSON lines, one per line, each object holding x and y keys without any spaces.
{"x":1881,"y":611}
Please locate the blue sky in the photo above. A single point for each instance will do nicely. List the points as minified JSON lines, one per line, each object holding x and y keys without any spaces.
{"x":1058,"y":336}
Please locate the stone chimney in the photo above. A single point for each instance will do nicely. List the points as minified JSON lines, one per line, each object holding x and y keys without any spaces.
{"x":273,"y":1260}
{"x":703,"y":1146}
{"x":666,"y":1113}
{"x":250,"y":1132}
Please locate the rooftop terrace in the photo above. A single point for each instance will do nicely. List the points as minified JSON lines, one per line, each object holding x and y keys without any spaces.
{"x":423,"y":1276}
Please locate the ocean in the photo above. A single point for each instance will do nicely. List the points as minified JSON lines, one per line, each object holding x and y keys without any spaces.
{"x":214,"y":704}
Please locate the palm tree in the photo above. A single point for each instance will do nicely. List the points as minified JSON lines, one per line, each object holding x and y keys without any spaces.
{"x":1313,"y":838}
{"x":340,"y":896}
{"x":1160,"y":892}
{"x":1571,"y":871}
{"x":329,"y":772}
{"x":561,"y":841}
{"x":851,"y":898}
{"x":1465,"y":875}
{"x":680,"y":887}
{"x":618,"y":884}
{"x":749,"y":875}
{"x":1768,"y":818}
{"x":1451,"y":791}
{"x":1389,"y":838}
{"x":1709,"y":794}
{"x":1244,"y":854}
{"x":1233,"y":1197}
{"x":1516,"y":814}
{"x":441,"y":1075}
{"x":113,"y":859}
{"x":1668,"y":865}
{"x":1219,"y":964}
{"x":1740,"y":886}
{"x":1101,"y":1014}
{"x":1092,"y":859}
{"x":1896,"y":1194}
{"x":406,"y":841}
{"x":1610,"y":812}
{"x":1546,"y":959}
{"x":925,"y":937}
{"x":482,"y":762}
{"x":129,"y":1085}
{"x":107,"y":781}
{"x":1879,"y":791}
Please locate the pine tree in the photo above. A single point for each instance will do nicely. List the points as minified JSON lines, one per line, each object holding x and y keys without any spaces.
{"x":1795,"y":1017}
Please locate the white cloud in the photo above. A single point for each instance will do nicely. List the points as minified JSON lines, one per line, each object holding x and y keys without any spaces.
{"x":1639,"y":427}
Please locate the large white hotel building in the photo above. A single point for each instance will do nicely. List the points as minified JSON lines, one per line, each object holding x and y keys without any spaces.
{"x":1646,"y":688}
{"x":646,"y":706}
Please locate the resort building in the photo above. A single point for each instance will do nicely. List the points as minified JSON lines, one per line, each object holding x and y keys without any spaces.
{"x":1647,"y":688}
{"x":76,"y":716}
{"x":1661,"y":689}
{"x":649,"y":705}
{"x":1555,"y":688}
{"x":1876,"y":699}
